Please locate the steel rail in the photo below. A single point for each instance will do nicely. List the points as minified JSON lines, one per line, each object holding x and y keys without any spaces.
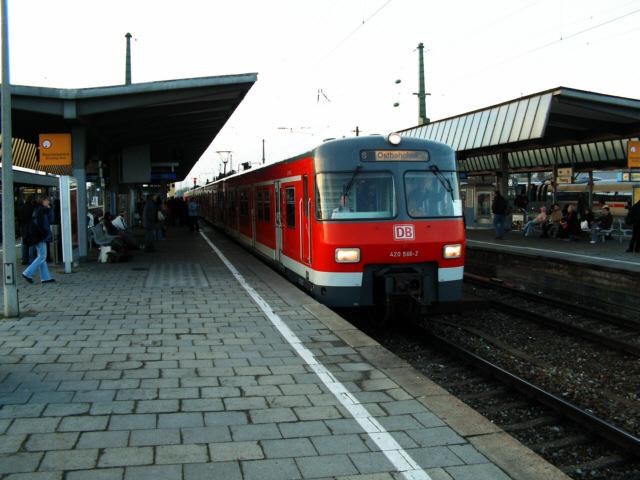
{"x":618,"y":436}
{"x":555,"y":302}
{"x":599,"y":338}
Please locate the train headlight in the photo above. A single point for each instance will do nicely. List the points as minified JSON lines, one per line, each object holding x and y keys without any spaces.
{"x":347,"y":255}
{"x":394,"y":138}
{"x":452,"y":251}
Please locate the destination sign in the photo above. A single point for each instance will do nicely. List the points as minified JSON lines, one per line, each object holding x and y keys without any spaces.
{"x":394,"y":156}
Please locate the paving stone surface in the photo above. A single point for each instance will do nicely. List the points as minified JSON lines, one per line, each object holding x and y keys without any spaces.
{"x":169,"y":370}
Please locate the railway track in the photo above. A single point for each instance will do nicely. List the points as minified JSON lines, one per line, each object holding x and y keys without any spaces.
{"x":580,"y":442}
{"x":617,"y":436}
{"x":614,"y":332}
{"x":566,"y":435}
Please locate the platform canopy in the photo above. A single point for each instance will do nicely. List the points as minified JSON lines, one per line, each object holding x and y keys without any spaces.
{"x":178,"y":119}
{"x":561,"y":127}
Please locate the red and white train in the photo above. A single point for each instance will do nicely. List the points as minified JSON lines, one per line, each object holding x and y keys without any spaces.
{"x":363,"y":221}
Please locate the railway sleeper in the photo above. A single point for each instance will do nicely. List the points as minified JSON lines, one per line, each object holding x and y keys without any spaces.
{"x":489,"y":410}
{"x":496,"y":392}
{"x":536,"y":422}
{"x":560,"y":443}
{"x":597,"y":464}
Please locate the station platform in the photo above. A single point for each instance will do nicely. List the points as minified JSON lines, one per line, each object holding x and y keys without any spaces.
{"x":602,"y":276}
{"x":200,"y":362}
{"x":609,"y":254}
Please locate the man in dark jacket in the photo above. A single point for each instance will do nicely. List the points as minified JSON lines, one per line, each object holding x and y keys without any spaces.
{"x":633,"y":219}
{"x":42,"y":217}
{"x":499,"y":209}
{"x":149,"y":220}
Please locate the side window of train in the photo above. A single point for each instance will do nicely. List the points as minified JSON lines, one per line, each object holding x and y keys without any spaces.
{"x":259,"y":201}
{"x":263,"y":205}
{"x":290,"y":199}
{"x":244,"y":203}
{"x":267,"y":205}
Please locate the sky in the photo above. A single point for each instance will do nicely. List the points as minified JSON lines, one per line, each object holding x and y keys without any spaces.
{"x":327,"y":66}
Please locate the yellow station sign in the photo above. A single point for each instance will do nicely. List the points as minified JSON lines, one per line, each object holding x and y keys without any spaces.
{"x":633,"y":154}
{"x":55,"y":149}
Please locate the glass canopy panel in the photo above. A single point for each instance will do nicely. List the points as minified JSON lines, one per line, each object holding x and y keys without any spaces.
{"x":452,"y":130}
{"x":542,"y":113}
{"x":508,"y":122}
{"x":461,"y":127}
{"x":602,"y":153}
{"x":482,"y":126}
{"x":529,"y":117}
{"x":518,"y":120}
{"x":473,"y":132}
{"x":491,"y":123}
{"x":495,"y":136}
{"x":437,"y":131}
{"x":447,"y":128}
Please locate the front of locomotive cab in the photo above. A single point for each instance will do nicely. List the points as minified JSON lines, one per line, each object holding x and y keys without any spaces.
{"x":388,"y":222}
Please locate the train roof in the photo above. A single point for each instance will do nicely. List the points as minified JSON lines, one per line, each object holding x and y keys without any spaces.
{"x":337,"y":148}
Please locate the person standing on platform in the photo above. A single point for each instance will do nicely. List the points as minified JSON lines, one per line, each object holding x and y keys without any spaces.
{"x":499,"y":209}
{"x":633,"y":219}
{"x":42,"y":218}
{"x":194,"y":211}
{"x":149,"y":222}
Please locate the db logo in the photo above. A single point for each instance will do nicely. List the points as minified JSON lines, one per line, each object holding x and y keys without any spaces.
{"x":403,"y":232}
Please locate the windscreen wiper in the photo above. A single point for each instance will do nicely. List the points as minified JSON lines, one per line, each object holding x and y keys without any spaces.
{"x":443,"y":180}
{"x":347,"y":187}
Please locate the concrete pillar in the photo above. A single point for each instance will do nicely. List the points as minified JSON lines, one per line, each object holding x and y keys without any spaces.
{"x":133,"y":196}
{"x":79,"y":149}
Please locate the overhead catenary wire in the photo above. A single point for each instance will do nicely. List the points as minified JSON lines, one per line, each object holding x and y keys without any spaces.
{"x":549,"y":44}
{"x":355,"y":30}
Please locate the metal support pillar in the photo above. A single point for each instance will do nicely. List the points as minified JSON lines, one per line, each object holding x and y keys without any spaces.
{"x":11,"y":306}
{"x":502,"y":178}
{"x":590,"y":185}
{"x":79,"y":154}
{"x":133,"y":196}
{"x":422,"y":94}
{"x":554,"y":184}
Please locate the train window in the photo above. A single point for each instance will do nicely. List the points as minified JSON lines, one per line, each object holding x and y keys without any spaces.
{"x":348,"y":196}
{"x":267,"y":205}
{"x":259,"y":205}
{"x":290,"y":198}
{"x":244,"y":203}
{"x":431,"y":194}
{"x":263,"y":205}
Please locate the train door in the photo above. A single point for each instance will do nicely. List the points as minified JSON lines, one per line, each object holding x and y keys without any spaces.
{"x":252,"y":208}
{"x":305,"y":222}
{"x":290,"y":199}
{"x":278,"y":220}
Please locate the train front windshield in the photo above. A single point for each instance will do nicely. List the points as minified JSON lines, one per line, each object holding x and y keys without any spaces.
{"x":355,"y":195}
{"x":433,"y":193}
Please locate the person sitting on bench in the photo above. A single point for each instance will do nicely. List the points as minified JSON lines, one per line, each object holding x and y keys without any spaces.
{"x":604,"y":222}
{"x":540,"y":219}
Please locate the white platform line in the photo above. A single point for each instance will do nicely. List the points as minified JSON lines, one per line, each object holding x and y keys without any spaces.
{"x":590,"y":257}
{"x":399,"y":458}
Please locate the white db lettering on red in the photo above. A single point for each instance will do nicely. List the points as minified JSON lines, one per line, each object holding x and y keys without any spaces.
{"x":403,"y":232}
